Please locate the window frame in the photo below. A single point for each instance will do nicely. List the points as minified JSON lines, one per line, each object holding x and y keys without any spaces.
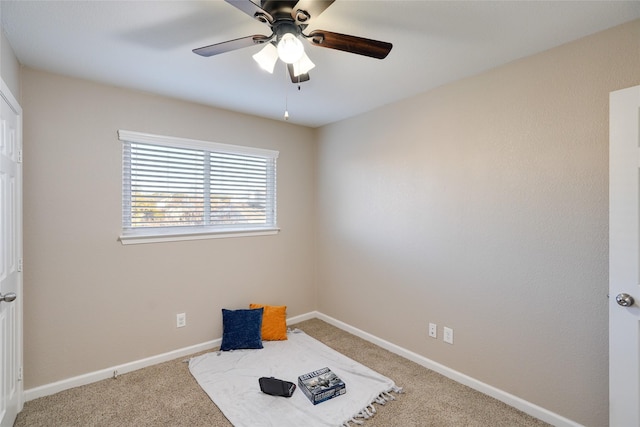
{"x":133,"y":235}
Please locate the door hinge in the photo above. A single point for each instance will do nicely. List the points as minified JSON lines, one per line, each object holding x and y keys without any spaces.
{"x":20,"y":265}
{"x":20,"y":373}
{"x":19,"y":156}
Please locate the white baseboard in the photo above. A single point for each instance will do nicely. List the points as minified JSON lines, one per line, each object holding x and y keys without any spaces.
{"x":509,"y":399}
{"x":91,"y":377}
{"x":302,"y":317}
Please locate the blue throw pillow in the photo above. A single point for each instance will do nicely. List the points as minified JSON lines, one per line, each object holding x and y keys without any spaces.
{"x":241,"y":329}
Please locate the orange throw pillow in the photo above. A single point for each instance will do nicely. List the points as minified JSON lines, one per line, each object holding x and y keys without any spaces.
{"x":274,"y":322}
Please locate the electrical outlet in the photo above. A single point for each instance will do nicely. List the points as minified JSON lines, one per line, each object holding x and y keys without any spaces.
{"x":433,"y":330}
{"x":181,"y":320}
{"x":448,"y":335}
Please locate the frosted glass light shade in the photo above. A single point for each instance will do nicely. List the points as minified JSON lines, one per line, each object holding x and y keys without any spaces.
{"x":290,"y":48}
{"x":303,"y":66}
{"x":267,"y":57}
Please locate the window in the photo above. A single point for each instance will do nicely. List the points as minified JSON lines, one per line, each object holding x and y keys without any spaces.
{"x":176,"y":189}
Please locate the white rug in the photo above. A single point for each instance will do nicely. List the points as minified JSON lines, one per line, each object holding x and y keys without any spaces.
{"x":230,"y":378}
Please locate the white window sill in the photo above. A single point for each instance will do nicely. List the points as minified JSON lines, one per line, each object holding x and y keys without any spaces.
{"x":176,"y":237}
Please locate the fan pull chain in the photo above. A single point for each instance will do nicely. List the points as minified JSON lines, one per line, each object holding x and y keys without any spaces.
{"x":286,"y":99}
{"x":286,"y":96}
{"x":286,"y":107}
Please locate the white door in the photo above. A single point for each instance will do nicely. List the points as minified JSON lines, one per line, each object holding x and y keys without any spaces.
{"x":624,"y":258}
{"x":10,"y":257}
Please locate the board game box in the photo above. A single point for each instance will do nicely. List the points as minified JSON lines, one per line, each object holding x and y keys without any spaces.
{"x":321,"y":385}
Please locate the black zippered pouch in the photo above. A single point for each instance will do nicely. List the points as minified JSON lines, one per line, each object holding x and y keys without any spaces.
{"x":276,"y":387}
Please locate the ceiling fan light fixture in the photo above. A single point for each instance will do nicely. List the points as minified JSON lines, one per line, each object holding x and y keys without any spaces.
{"x":290,"y":48}
{"x":288,"y":20}
{"x":303,"y":66}
{"x":267,"y":57}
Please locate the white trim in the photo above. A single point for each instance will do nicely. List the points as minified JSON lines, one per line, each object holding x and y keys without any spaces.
{"x":11,"y":100}
{"x":159,"y":238}
{"x":511,"y":400}
{"x":172,"y":141}
{"x":7,"y":95}
{"x":302,"y":318}
{"x":91,"y":377}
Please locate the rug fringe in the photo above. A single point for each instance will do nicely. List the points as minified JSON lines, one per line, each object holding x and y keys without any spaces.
{"x":369,"y":411}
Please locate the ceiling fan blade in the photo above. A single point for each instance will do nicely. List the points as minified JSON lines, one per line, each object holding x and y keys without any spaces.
{"x":305,"y":10}
{"x":297,"y":79}
{"x":352,"y":44}
{"x":218,"y":48}
{"x":252,"y":9}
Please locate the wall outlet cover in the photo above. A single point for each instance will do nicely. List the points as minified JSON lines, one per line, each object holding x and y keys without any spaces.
{"x":181,"y":320}
{"x":433,"y":330}
{"x":448,"y":335}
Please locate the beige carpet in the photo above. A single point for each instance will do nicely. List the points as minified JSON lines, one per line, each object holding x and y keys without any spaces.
{"x":167,"y":395}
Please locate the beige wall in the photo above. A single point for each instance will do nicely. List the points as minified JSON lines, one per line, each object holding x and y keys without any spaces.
{"x":92,"y":303}
{"x":483,"y":206}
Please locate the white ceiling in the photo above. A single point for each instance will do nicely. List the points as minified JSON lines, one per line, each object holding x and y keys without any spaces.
{"x":146,"y":45}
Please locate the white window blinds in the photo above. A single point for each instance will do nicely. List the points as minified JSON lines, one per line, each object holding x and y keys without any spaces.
{"x":179,"y":186}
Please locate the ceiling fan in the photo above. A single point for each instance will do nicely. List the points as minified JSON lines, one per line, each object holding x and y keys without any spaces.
{"x":288,"y":20}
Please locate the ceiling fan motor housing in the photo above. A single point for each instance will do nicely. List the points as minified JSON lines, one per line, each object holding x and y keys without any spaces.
{"x":281,"y":27}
